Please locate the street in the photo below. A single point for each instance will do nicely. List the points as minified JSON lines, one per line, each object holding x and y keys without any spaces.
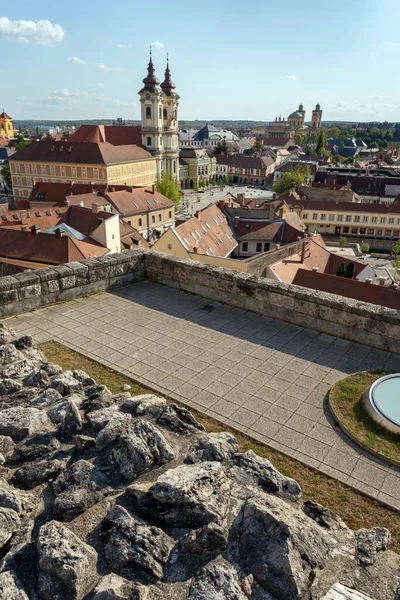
{"x":193,"y":201}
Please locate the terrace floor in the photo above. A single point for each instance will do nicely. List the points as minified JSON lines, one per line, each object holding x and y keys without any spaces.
{"x":262,"y":376}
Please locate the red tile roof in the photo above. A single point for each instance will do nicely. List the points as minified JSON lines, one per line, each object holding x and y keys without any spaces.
{"x":351,"y":288}
{"x":56,"y":193}
{"x":4,"y":115}
{"x":250,"y":162}
{"x":81,"y":152}
{"x":131,"y":237}
{"x":137,"y":200}
{"x":209,"y":232}
{"x":278,"y":142}
{"x":357,"y":207}
{"x":115,"y":135}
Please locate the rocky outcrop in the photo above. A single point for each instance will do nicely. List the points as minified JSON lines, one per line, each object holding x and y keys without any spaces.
{"x":67,"y":566}
{"x":117,"y":497}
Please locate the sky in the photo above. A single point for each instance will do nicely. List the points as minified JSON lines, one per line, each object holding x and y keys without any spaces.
{"x":231,"y":59}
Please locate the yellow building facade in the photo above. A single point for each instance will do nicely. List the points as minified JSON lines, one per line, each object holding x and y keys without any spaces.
{"x":6,"y":126}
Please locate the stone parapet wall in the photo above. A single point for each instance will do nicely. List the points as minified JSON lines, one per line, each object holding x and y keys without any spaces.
{"x":25,"y":291}
{"x":335,"y":315}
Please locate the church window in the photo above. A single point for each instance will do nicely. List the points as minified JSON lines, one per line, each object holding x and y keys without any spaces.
{"x":160,"y":140}
{"x":165,"y":113}
{"x":148,"y":141}
{"x":174,"y":167}
{"x":148,"y":112}
{"x":160,"y":113}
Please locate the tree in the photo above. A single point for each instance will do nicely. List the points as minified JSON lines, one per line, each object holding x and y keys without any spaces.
{"x":342,"y":242}
{"x":396,"y":248}
{"x":6,"y":175}
{"x":258,"y":147}
{"x":292,"y":179}
{"x":365,"y":248}
{"x":21,"y":142}
{"x":169,"y":187}
{"x":321,"y":142}
{"x":248,"y":151}
{"x":347,"y":272}
{"x":221,"y":147}
{"x":299,"y":139}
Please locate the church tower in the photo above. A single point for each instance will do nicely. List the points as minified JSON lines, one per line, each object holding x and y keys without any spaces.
{"x":6,"y":126}
{"x":159,"y":113}
{"x":316,"y":117}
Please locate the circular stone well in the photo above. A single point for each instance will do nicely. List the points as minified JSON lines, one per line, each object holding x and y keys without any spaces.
{"x":382,"y":402}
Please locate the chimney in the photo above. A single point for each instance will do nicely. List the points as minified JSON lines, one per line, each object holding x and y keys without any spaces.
{"x":96,"y":208}
{"x":81,"y":203}
{"x":315,"y":268}
{"x":368,"y":280}
{"x":197,"y":214}
{"x":277,"y":245}
{"x":236,"y":222}
{"x":195,"y":249}
{"x":394,"y":285}
{"x":35,"y":229}
{"x":382,"y":280}
{"x":23,"y":218}
{"x":303,"y":250}
{"x":153,"y":188}
{"x":240,"y":199}
{"x":58,"y":233}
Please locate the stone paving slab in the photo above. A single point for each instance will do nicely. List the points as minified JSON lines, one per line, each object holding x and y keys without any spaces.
{"x":264,"y":377}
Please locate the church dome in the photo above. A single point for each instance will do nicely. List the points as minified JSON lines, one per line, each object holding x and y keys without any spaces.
{"x":295,"y":115}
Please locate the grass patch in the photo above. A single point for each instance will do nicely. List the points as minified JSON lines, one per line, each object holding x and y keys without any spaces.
{"x":356,"y":509}
{"x":346,"y":399}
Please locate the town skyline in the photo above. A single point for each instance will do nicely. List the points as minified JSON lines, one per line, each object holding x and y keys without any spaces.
{"x":264,"y":69}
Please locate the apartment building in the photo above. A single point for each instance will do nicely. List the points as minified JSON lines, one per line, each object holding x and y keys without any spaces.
{"x":349,"y":218}
{"x":80,"y":162}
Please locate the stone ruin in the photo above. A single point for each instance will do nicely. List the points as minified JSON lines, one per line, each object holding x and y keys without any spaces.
{"x":113,"y":497}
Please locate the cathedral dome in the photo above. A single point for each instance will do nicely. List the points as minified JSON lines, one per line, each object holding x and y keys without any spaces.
{"x":295,"y":115}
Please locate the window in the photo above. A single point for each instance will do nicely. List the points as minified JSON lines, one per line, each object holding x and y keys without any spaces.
{"x":245,"y":246}
{"x":259,"y":247}
{"x":339,"y":218}
{"x":374,"y":219}
{"x":119,"y":171}
{"x":28,"y":181}
{"x":370,"y":231}
{"x":44,"y":170}
{"x":19,"y":180}
{"x":382,"y":220}
{"x":96,"y":173}
{"x":266,"y":246}
{"x":153,"y":218}
{"x":379,"y":232}
{"x":398,"y":221}
{"x":345,"y":230}
{"x":396,"y":233}
{"x":331,"y":217}
{"x":84,"y":172}
{"x":160,"y":217}
{"x":348,"y":218}
{"x":148,"y":143}
{"x":356,"y":219}
{"x":73,"y":171}
{"x":148,"y":112}
{"x":140,"y":222}
{"x":388,"y":232}
{"x":17,"y":169}
{"x":52,"y":171}
{"x":354,"y":230}
{"x":391,"y":221}
{"x":27,"y":169}
{"x":165,"y":113}
{"x":323,"y":216}
{"x":362,"y":231}
{"x":170,"y":215}
{"x":315,"y":216}
{"x":365,"y":219}
{"x":62,"y":171}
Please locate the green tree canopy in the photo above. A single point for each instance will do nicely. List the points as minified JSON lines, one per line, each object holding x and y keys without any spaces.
{"x":321,"y":143}
{"x":6,"y":175}
{"x":292,"y":179}
{"x":396,"y":248}
{"x":169,"y":187}
{"x":221,"y":147}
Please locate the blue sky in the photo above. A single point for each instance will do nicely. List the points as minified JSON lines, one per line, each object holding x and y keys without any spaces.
{"x":230,"y":59}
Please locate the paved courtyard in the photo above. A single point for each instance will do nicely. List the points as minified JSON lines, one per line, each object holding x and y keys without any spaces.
{"x":259,"y":375}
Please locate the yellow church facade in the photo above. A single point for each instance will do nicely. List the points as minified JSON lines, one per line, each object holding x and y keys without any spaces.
{"x":6,"y":126}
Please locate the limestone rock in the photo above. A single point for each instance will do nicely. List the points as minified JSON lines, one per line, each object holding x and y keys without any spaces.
{"x":341,"y":592}
{"x":36,"y":447}
{"x":71,"y":421}
{"x":323,"y":516}
{"x":51,"y":369}
{"x":206,"y":543}
{"x":6,"y":334}
{"x":39,"y":379}
{"x":59,"y":412}
{"x":9,"y":522}
{"x":36,"y":473}
{"x":83,"y":378}
{"x":216,"y":582}
{"x":114,"y":587}
{"x":19,"y":422}
{"x":9,"y":386}
{"x":131,"y":542}
{"x":126,"y":387}
{"x":112,"y":430}
{"x":75,"y":490}
{"x":46,"y":398}
{"x":83,"y":442}
{"x":145,"y":404}
{"x":10,"y":587}
{"x":7,"y":445}
{"x":65,"y":384}
{"x":213,"y":447}
{"x":189,"y":495}
{"x":9,"y":354}
{"x":97,"y":397}
{"x":269,"y":478}
{"x":282,"y":547}
{"x":25,"y":504}
{"x":179,"y":420}
{"x":99,"y":418}
{"x":67,"y":566}
{"x":369,"y":542}
{"x":24,"y":342}
{"x":138,"y":448}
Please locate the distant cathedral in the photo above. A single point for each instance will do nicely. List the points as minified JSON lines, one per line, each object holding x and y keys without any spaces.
{"x":159,"y":111}
{"x":287,"y":128}
{"x":6,"y":125}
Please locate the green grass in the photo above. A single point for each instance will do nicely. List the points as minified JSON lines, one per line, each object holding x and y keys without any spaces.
{"x":356,"y":509}
{"x":346,"y":399}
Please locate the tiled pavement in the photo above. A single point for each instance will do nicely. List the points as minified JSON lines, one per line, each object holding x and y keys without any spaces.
{"x":259,"y":375}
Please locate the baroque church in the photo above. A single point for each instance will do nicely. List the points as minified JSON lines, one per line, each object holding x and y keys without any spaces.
{"x":159,"y":114}
{"x":287,"y":128}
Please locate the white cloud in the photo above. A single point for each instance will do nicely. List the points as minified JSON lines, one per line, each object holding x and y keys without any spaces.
{"x":125,"y":46}
{"x":30,"y":32}
{"x":158,"y":45}
{"x":77,"y":61}
{"x":103,"y":67}
{"x":100,"y":84}
{"x":293,"y":77}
